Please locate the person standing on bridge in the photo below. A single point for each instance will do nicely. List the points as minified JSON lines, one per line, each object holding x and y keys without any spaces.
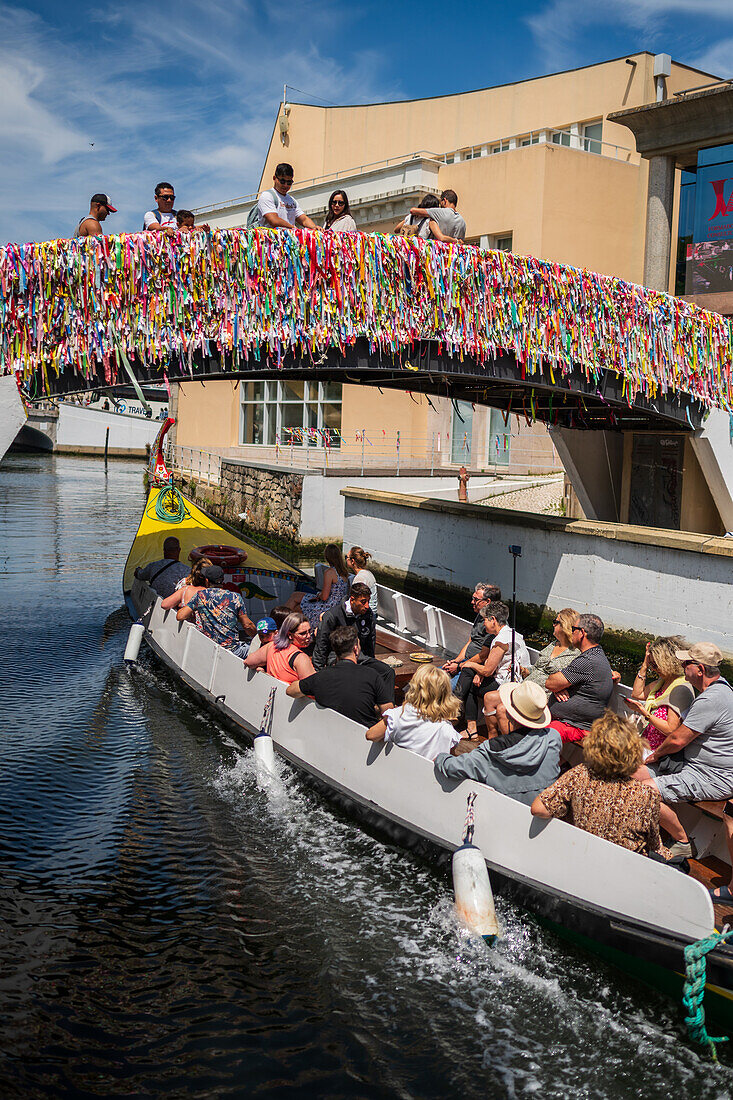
{"x":279,"y":210}
{"x":164,"y":216}
{"x":445,"y":223}
{"x":99,"y":208}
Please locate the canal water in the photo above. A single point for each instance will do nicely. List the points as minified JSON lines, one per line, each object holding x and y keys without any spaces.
{"x":169,"y":929}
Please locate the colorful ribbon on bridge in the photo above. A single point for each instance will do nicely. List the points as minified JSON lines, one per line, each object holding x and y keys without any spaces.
{"x":70,"y":304}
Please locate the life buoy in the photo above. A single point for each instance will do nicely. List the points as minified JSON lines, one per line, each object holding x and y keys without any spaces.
{"x":228,"y":557}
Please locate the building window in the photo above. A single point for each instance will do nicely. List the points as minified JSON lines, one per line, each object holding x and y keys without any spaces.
{"x":530,"y":139}
{"x":472,"y":154}
{"x":499,"y":438}
{"x":592,"y":137}
{"x":561,"y":137}
{"x":461,"y":436}
{"x":502,"y":242}
{"x":500,"y":147}
{"x":291,"y":413}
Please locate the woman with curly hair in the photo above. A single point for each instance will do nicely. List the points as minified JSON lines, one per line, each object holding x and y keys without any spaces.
{"x":662,"y":702}
{"x":600,"y":796}
{"x":423,"y":723}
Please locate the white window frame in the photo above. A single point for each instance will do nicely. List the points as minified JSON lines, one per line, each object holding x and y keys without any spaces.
{"x":273,"y":401}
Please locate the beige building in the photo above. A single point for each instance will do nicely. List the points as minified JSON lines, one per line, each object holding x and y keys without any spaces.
{"x":539,"y":169}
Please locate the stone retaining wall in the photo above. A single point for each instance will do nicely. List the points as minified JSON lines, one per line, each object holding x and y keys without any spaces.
{"x":271,"y":498}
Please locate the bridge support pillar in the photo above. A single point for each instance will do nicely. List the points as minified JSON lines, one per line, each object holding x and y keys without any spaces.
{"x":713,"y":447}
{"x":593,"y":461}
{"x":659,"y":208}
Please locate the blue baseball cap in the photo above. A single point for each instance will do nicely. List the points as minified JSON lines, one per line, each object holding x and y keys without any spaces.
{"x":266,"y":626}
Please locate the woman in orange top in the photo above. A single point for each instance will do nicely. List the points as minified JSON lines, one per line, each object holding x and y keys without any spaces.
{"x":284,"y":657}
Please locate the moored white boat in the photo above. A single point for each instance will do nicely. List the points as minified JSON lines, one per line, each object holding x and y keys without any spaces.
{"x":639,"y":912}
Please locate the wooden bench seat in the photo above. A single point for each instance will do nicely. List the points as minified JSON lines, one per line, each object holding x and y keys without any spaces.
{"x":712,"y":809}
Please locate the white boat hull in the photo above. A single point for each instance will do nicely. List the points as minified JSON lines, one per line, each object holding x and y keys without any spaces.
{"x":12,"y":413}
{"x":550,"y":859}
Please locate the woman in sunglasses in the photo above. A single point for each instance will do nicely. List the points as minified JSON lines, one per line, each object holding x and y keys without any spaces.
{"x":558,"y":654}
{"x":338,"y":218}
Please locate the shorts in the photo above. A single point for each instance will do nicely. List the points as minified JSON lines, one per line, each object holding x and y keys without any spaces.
{"x":678,"y":781}
{"x":567,"y":733}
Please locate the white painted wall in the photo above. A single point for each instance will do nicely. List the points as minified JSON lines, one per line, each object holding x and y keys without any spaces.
{"x":322,"y":511}
{"x":633,"y":585}
{"x":82,"y":429}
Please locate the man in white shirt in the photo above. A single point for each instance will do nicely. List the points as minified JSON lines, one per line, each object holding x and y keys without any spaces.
{"x":164,"y":216}
{"x":278,"y":209}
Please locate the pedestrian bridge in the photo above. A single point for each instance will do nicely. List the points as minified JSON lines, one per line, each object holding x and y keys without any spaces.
{"x":547,"y":341}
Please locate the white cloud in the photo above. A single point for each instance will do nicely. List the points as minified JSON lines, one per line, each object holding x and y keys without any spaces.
{"x":558,"y":27}
{"x":190,"y":98}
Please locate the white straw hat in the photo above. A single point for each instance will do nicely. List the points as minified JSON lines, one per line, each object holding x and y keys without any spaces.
{"x":526,"y":703}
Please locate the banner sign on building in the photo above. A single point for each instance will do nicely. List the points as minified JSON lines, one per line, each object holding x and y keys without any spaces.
{"x":710,"y":256}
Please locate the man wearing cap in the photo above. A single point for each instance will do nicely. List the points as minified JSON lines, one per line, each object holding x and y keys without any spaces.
{"x":163,"y":575}
{"x":522,"y":753}
{"x":219,"y":613}
{"x":91,"y":225}
{"x":695,"y":762}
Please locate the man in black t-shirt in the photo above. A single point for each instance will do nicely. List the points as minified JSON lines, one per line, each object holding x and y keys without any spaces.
{"x":357,"y":691}
{"x":583,"y":689}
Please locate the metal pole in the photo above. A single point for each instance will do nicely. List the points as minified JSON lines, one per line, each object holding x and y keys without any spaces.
{"x":398,"y":454}
{"x":106,"y":448}
{"x":432,"y":453}
{"x":362,"y":452}
{"x":516,"y":552}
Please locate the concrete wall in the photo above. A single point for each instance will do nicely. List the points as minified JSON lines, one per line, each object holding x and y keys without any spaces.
{"x":635,"y":578}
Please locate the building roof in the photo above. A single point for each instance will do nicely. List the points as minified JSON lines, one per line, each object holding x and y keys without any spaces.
{"x":681,"y":126}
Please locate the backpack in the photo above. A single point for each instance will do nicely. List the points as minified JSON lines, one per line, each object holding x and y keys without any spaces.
{"x":253,"y":218}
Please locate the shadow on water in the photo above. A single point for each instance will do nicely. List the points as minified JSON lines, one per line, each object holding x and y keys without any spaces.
{"x":173,"y":927}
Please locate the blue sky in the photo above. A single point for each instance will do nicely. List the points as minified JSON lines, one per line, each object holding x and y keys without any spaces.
{"x":114,"y":97}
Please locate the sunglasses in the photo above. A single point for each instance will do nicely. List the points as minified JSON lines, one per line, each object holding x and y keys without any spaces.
{"x":556,"y":622}
{"x":285,"y":179}
{"x":337,"y":202}
{"x":167,"y":198}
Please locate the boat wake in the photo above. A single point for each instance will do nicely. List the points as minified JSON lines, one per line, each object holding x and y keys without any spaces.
{"x":415,"y":983}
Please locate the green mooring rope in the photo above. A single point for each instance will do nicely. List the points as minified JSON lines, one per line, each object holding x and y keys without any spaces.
{"x":693,"y":992}
{"x":170,"y":507}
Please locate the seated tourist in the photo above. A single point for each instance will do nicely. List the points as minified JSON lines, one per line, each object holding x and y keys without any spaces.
{"x":163,"y":575}
{"x":661,"y":703}
{"x":357,"y":560}
{"x":334,"y":591}
{"x":583,"y":689}
{"x":558,"y":654}
{"x":601,"y":796}
{"x":423,"y":723}
{"x":353,"y":611}
{"x":521,"y":755}
{"x":284,"y":656}
{"x":355,"y":690}
{"x":267,"y":628}
{"x":482,"y":596}
{"x":493,"y":665}
{"x":219,"y":613}
{"x":187,"y":588}
{"x":695,"y":761}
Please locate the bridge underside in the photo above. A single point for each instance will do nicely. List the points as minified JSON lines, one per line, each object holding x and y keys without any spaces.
{"x":573,"y":400}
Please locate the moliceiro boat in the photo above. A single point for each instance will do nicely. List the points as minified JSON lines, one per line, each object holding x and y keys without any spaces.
{"x":638,"y":913}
